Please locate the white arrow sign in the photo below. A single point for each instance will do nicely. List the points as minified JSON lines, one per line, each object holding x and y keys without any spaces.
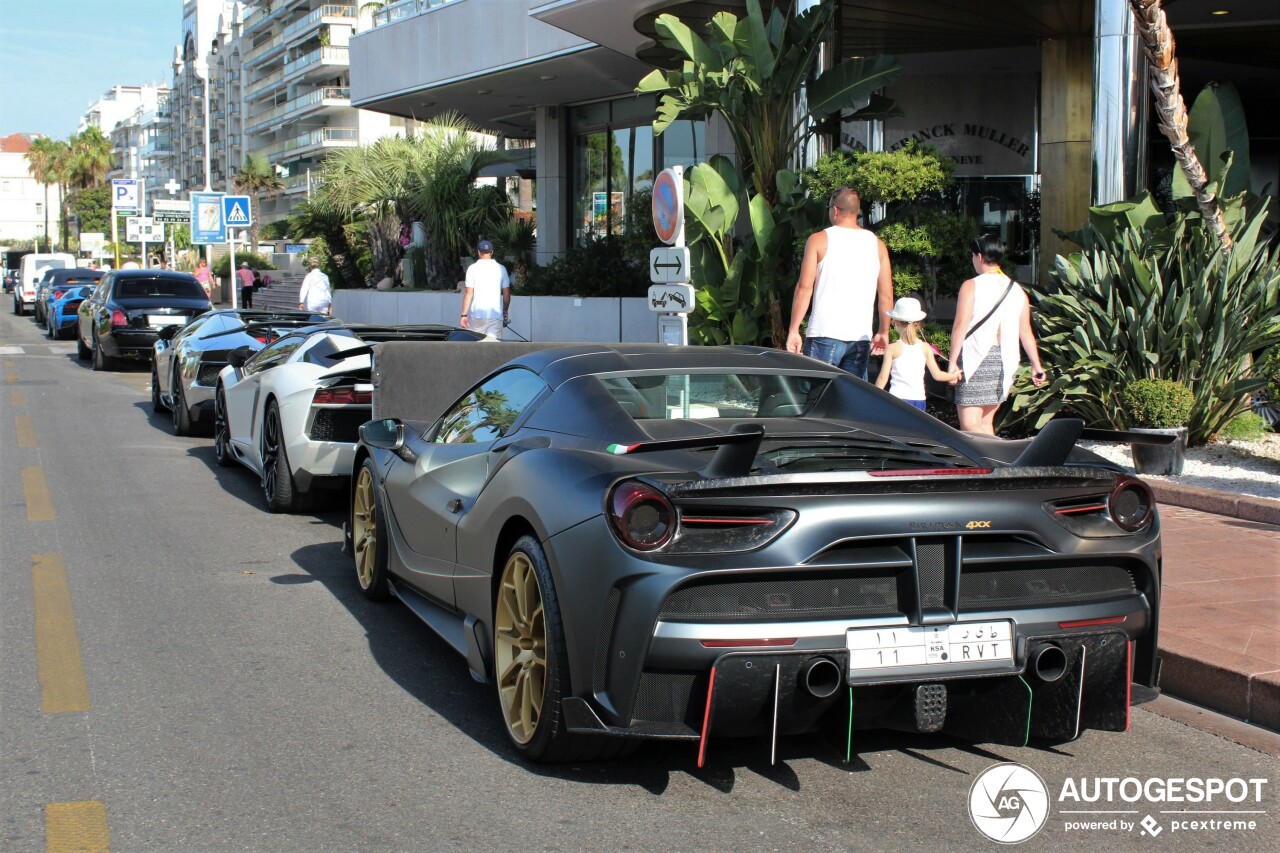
{"x":669,"y":264}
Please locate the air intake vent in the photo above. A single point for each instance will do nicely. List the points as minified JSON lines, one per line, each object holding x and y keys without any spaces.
{"x":931,"y":566}
{"x":1003,"y":588}
{"x":604,"y":641}
{"x":785,"y":598}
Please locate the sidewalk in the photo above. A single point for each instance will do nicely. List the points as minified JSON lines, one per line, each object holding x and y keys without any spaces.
{"x":1220,"y":611}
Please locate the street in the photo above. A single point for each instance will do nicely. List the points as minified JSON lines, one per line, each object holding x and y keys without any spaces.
{"x":194,"y":673}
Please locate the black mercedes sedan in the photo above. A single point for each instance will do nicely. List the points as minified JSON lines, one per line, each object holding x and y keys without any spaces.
{"x":126,"y":312}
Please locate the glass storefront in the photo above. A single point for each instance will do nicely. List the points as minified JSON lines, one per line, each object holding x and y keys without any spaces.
{"x":613,"y":154}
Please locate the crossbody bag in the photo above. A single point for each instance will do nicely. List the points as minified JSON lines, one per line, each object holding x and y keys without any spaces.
{"x":978,"y":325}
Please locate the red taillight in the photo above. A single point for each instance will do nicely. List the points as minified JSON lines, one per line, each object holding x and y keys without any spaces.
{"x":642,"y":516}
{"x":1130,"y":503}
{"x":736,"y":644}
{"x":341,"y":395}
{"x":930,"y":472}
{"x":1091,"y":623}
{"x":118,"y":318}
{"x":57,"y":294}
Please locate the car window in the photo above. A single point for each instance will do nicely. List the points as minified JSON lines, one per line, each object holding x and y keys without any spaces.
{"x":180,"y":288}
{"x":488,"y":412}
{"x":274,"y":354}
{"x":104,"y":285}
{"x":195,"y":325}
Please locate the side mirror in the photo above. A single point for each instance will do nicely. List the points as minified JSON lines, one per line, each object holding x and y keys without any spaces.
{"x":168,"y":333}
{"x":387,"y":433}
{"x":238,"y":356}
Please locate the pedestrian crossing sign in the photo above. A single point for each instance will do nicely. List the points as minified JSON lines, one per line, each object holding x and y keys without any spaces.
{"x":236,"y":211}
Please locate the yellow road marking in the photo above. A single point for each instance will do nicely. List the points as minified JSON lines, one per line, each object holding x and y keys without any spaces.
{"x":11,"y":377}
{"x":17,"y":399}
{"x":63,"y":688}
{"x":39,"y":503}
{"x":8,"y":362}
{"x":26,"y":432}
{"x":76,"y":828}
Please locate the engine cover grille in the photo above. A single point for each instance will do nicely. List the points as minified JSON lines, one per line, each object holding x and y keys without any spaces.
{"x":338,"y":424}
{"x":995,"y":588}
{"x":782,"y":598}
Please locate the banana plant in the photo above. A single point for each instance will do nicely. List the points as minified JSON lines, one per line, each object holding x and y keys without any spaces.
{"x":750,"y":71}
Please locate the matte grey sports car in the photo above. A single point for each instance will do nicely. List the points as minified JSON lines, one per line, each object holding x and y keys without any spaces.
{"x":641,"y":541}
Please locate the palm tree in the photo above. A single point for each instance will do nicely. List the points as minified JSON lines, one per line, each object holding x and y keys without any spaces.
{"x":92,"y":156}
{"x":1158,"y":44}
{"x":62,"y":167}
{"x":257,"y":176}
{"x":40,"y":157}
{"x":316,"y":217}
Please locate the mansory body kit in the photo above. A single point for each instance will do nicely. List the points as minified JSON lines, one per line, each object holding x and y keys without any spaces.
{"x":640,"y":541}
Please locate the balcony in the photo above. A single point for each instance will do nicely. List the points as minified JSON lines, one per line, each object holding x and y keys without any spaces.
{"x":320,"y":58}
{"x":265,"y":85}
{"x":329,"y":96}
{"x":310,"y":142}
{"x":329,"y":14}
{"x":405,"y":9}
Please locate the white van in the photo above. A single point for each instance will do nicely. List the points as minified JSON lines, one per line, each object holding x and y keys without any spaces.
{"x":32,"y":269}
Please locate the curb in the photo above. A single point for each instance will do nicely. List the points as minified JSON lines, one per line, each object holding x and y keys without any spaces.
{"x":1264,"y":510}
{"x":1243,"y":688}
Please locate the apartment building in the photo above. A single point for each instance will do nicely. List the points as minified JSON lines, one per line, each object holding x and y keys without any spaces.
{"x":119,"y":103}
{"x":297,"y":91}
{"x":28,"y":209}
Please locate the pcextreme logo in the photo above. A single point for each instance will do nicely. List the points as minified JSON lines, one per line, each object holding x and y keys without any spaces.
{"x":1009,"y":803}
{"x":978,"y":525}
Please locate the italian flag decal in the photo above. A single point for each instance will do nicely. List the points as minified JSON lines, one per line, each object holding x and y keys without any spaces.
{"x":621,"y":449}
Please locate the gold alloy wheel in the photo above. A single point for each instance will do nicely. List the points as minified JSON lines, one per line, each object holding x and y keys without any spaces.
{"x":520,"y":634}
{"x":364,"y":529}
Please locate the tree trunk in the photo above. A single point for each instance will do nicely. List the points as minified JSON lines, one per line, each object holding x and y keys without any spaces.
{"x":1158,"y":45}
{"x":384,"y":245}
{"x":255,"y":205}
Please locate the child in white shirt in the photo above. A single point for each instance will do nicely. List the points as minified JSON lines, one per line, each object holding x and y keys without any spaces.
{"x":905,"y":360}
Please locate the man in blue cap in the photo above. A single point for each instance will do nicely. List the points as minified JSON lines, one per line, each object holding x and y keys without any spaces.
{"x":488,"y":296}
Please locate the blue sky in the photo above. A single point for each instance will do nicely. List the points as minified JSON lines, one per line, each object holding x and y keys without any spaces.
{"x":59,"y":56}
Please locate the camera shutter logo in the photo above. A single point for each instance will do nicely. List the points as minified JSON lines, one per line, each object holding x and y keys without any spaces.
{"x":1009,"y":803}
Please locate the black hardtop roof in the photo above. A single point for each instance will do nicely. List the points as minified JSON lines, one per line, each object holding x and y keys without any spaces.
{"x":559,"y":364}
{"x":117,"y":275}
{"x":74,"y":272}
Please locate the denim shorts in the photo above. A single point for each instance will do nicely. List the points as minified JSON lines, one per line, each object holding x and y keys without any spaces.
{"x":850,"y":356}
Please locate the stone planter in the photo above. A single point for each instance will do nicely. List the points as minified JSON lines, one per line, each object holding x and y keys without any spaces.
{"x":1164,"y":460}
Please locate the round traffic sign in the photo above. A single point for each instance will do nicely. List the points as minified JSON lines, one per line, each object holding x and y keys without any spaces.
{"x":668,"y":204}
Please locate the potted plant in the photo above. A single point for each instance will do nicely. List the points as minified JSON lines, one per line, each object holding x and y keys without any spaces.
{"x":1159,"y":406}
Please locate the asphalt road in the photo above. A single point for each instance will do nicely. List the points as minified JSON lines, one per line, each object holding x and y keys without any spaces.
{"x":180,"y":670}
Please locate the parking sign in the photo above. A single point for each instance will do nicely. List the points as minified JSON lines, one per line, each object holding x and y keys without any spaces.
{"x":124,"y":195}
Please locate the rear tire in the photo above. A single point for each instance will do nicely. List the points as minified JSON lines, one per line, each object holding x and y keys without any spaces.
{"x":277,"y":479}
{"x":221,"y":432}
{"x":181,"y":417}
{"x":101,"y":361}
{"x":531,"y":664}
{"x":156,"y":405}
{"x":369,"y":535}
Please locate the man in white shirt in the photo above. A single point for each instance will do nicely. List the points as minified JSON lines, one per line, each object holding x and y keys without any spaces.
{"x":488,"y":296}
{"x":315,"y":295}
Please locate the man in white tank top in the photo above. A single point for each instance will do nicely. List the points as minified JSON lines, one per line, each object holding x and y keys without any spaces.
{"x":845,"y":275}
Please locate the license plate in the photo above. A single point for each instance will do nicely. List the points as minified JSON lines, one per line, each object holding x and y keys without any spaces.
{"x":165,"y":319}
{"x":941,"y":645}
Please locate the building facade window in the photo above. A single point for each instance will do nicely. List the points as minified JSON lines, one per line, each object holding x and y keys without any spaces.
{"x":613,"y":152}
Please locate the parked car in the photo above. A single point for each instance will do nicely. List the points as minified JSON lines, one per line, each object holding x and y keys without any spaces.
{"x":639,"y":541}
{"x":10,"y":280}
{"x":64,"y":308}
{"x":186,"y":360}
{"x":32,"y":268}
{"x":56,"y":280}
{"x":290,"y":411}
{"x":128,"y":308}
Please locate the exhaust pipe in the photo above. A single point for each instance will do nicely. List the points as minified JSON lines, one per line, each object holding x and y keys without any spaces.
{"x":1047,"y":662}
{"x":820,"y":678}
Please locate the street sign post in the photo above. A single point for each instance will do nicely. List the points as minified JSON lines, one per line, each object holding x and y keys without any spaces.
{"x":669,"y":267}
{"x":171,"y":211}
{"x":668,"y":206}
{"x":124,"y":195}
{"x":236,"y":213}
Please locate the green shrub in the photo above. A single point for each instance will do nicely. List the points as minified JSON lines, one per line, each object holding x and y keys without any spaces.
{"x":1158,"y":404}
{"x":1246,"y":427}
{"x":1268,"y":370}
{"x":1147,"y":303}
{"x":597,"y":268}
{"x":222,"y":266}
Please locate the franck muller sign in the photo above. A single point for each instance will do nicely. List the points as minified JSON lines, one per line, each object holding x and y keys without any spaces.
{"x":986,"y":123}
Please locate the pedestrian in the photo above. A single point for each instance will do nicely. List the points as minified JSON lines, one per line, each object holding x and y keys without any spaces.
{"x":315,"y":295}
{"x":845,"y":276}
{"x":93,"y":264}
{"x":905,"y":360}
{"x":205,"y":277}
{"x":986,"y":349}
{"x":131,"y":264}
{"x":487,"y":301}
{"x":246,"y":277}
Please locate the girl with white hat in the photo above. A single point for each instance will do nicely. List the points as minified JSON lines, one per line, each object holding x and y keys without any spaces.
{"x":906,"y":358}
